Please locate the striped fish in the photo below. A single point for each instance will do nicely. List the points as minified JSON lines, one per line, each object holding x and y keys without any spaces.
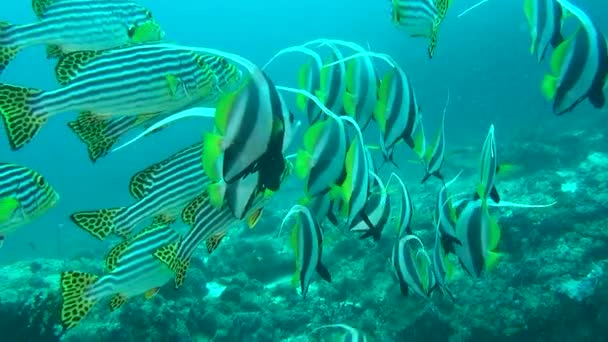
{"x":321,"y":160}
{"x":361,"y":89}
{"x":24,"y":195}
{"x":333,"y":83}
{"x":377,"y":212}
{"x":396,"y":112}
{"x":309,"y":79}
{"x":307,"y":241}
{"x":210,"y":225}
{"x":442,"y":268}
{"x":545,"y":20}
{"x":579,"y":66}
{"x":101,"y":133}
{"x":134,"y":80}
{"x":350,"y":335}
{"x":133,"y":271}
{"x":420,"y":18}
{"x":406,"y":208}
{"x":479,"y":234}
{"x":412,"y":266}
{"x":165,"y":188}
{"x":488,"y":167}
{"x":445,"y":218}
{"x":434,"y":157}
{"x":75,"y":25}
{"x":254,"y":128}
{"x":355,"y":189}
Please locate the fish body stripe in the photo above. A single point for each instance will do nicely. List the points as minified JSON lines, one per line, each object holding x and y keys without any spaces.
{"x":330,"y":151}
{"x":360,"y":182}
{"x":469,"y":230}
{"x":309,"y":242}
{"x":437,"y":156}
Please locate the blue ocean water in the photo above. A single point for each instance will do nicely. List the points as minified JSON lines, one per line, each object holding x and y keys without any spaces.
{"x":482,"y":58}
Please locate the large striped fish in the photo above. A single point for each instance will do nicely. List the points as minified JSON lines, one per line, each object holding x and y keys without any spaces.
{"x":140,"y":79}
{"x":133,"y":270}
{"x":165,"y":188}
{"x":488,"y":166}
{"x":209,"y":225}
{"x":74,"y":25}
{"x":376,"y":212}
{"x":479,"y":234}
{"x":24,"y":195}
{"x":101,"y":133}
{"x":579,"y":66}
{"x":406,"y":208}
{"x":420,"y":18}
{"x":545,"y":20}
{"x":307,"y":240}
{"x":397,"y":112}
{"x":434,"y":157}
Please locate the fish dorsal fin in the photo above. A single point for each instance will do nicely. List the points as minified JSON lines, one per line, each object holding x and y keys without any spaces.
{"x":142,"y":182}
{"x":40,"y":7}
{"x":115,"y":253}
{"x":189,"y":212}
{"x":71,"y":64}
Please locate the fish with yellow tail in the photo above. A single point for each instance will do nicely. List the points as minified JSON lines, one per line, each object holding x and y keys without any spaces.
{"x":412,"y":266}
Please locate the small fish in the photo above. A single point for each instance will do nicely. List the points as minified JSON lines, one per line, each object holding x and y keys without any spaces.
{"x":24,"y":196}
{"x":361,"y":90}
{"x":420,"y":18}
{"x":406,"y":208}
{"x":309,"y":79}
{"x":241,"y":147}
{"x":75,"y":25}
{"x":332,"y":82}
{"x":412,"y":266}
{"x":209,"y":225}
{"x":377,"y":212}
{"x":355,"y":189}
{"x":442,"y":268}
{"x":433,"y":158}
{"x":579,"y":66}
{"x":322,"y":157}
{"x":488,"y":167}
{"x":545,"y":20}
{"x":322,"y":207}
{"x":133,"y":80}
{"x":350,"y":335}
{"x":396,"y":112}
{"x":446,"y":217}
{"x":165,"y":188}
{"x":133,"y":270}
{"x":479,"y":234}
{"x":307,"y":240}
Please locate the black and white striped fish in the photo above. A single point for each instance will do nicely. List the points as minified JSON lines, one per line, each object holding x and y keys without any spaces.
{"x":75,"y":25}
{"x":321,"y":159}
{"x":545,"y":20}
{"x":396,"y":112}
{"x":24,"y":195}
{"x":442,"y":268}
{"x":134,"y":270}
{"x":434,"y":157}
{"x":377,"y":212}
{"x":579,"y":66}
{"x":361,"y":89}
{"x":100,"y":133}
{"x":412,"y":266}
{"x":479,"y":234}
{"x":488,"y":166}
{"x":406,"y":208}
{"x":445,"y":218}
{"x":164,"y":188}
{"x":135,"y":80}
{"x":307,"y":240}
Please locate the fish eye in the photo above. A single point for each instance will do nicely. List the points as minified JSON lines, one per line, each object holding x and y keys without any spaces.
{"x":148,"y":14}
{"x":40,"y":181}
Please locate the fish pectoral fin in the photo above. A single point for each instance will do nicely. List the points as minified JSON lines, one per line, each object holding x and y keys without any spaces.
{"x":323,"y":272}
{"x":173,"y":82}
{"x":75,"y":304}
{"x":151,"y":292}
{"x":117,"y":301}
{"x":8,"y":205}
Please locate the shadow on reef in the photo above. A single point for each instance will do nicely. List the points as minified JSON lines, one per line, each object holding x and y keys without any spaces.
{"x":34,"y":320}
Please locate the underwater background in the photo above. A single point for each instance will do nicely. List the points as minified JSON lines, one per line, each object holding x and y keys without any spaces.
{"x":551,"y":286}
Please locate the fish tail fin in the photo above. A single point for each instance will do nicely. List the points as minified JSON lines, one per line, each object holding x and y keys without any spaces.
{"x":323,"y":272}
{"x":21,"y":121}
{"x":100,"y":223}
{"x":8,"y":49}
{"x":75,"y":303}
{"x":91,"y":131}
